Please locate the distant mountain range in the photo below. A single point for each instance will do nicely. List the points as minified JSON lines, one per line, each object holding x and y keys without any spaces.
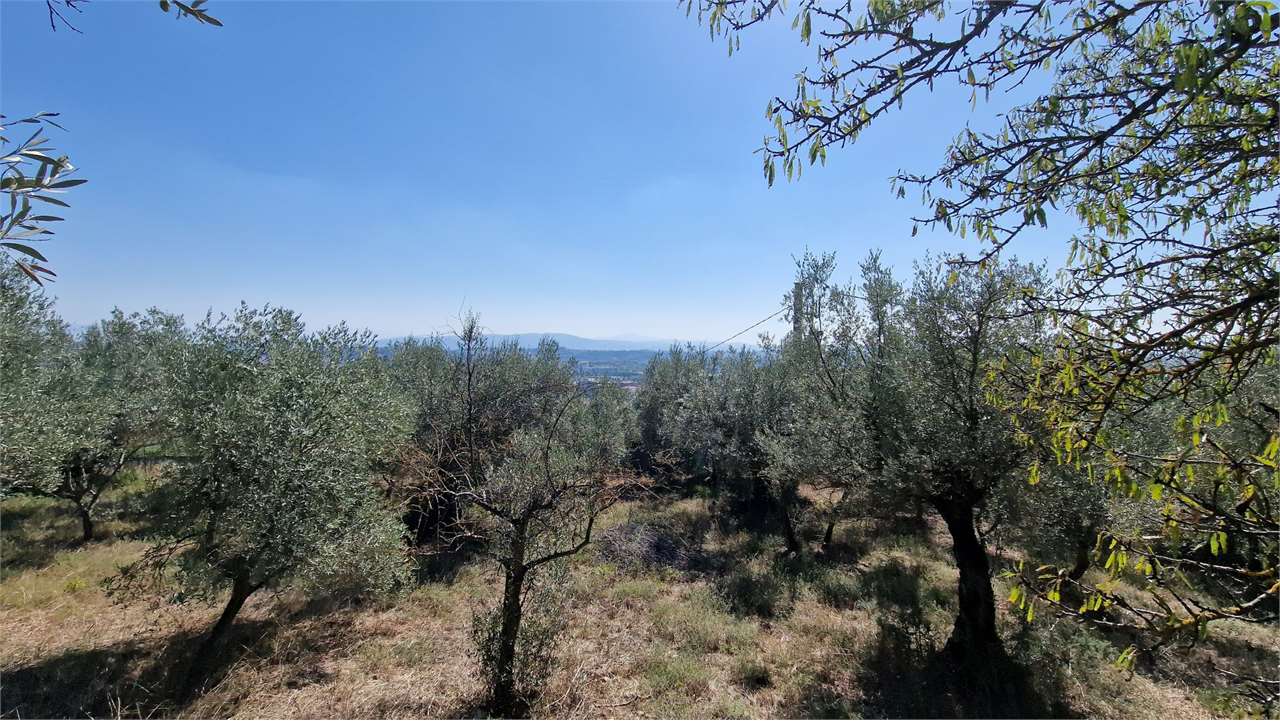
{"x":627,"y":342}
{"x":571,"y":342}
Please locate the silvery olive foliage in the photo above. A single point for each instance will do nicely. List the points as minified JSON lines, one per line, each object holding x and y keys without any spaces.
{"x":467,"y":400}
{"x":702,"y":413}
{"x":536,"y":506}
{"x":78,"y":411}
{"x":958,"y":326}
{"x":834,"y":433}
{"x":1147,"y":131}
{"x":39,"y":425}
{"x":32,"y":176}
{"x":668,"y":379}
{"x":891,"y":403}
{"x":122,"y":366}
{"x":280,"y":426}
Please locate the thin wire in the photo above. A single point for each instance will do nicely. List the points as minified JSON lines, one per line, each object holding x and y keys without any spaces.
{"x":744,"y":330}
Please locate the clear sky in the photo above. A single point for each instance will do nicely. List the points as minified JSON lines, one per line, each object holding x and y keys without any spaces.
{"x":578,"y":167}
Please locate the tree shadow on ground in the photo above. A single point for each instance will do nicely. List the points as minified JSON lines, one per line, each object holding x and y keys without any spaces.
{"x":130,"y":679}
{"x":905,"y":678}
{"x":907,"y":672}
{"x":846,"y":550}
{"x":900,"y":524}
{"x":14,"y":517}
{"x":21,"y":557}
{"x":36,"y":531}
{"x":143,"y":678}
{"x":906,"y":675}
{"x":441,"y":563}
{"x":133,"y":514}
{"x":480,"y":707}
{"x":32,"y":538}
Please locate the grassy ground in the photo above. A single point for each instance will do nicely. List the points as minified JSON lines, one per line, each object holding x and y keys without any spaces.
{"x":714,"y":625}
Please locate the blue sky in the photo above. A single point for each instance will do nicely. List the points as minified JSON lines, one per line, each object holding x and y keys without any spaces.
{"x":581,"y":167}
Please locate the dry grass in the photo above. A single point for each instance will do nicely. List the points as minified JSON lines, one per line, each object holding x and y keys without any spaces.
{"x":648,"y":643}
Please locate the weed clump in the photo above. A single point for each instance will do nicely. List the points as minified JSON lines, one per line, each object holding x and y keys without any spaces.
{"x":751,"y":674}
{"x":651,"y":540}
{"x":753,"y":590}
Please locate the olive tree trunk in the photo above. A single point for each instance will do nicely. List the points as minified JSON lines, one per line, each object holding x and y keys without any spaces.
{"x":836,"y":512}
{"x":975,"y":629}
{"x":206,"y":653}
{"x":504,"y":681}
{"x":504,"y":687}
{"x":86,"y":524}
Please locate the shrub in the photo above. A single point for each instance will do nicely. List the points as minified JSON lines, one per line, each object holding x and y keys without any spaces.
{"x":701,"y":623}
{"x":751,"y":674}
{"x":754,"y":591}
{"x":656,"y":540}
{"x":835,"y":589}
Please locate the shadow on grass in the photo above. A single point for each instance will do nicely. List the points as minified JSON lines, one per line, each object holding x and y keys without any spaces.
{"x":903,"y":679}
{"x":847,"y":550}
{"x":143,"y":678}
{"x":906,"y":676}
{"x":908,"y":672}
{"x":36,"y":530}
{"x":20,"y":556}
{"x":136,"y":679}
{"x":442,"y":563}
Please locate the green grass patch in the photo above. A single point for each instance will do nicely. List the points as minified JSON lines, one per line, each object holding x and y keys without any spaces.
{"x":751,"y":674}
{"x":837,"y":589}
{"x":74,"y":573}
{"x":637,"y":590}
{"x":680,"y":673}
{"x":700,"y":622}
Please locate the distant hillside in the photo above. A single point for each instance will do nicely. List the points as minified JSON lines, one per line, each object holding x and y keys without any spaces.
{"x":567,"y":341}
{"x":620,"y":359}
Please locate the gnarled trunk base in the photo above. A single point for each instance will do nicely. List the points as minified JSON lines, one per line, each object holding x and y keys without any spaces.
{"x":975,"y":633}
{"x":202,"y":660}
{"x":86,"y":525}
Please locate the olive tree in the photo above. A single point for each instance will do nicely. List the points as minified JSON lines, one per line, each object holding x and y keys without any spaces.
{"x":816,"y":442}
{"x":818,"y":438}
{"x":708,"y":415}
{"x":898,"y":400}
{"x":88,"y":407}
{"x":280,"y":425}
{"x":961,"y":448}
{"x":1150,"y":129}
{"x":536,"y":505}
{"x":722,"y":421}
{"x":669,"y":378}
{"x":510,"y":456}
{"x":466,"y":401}
{"x":39,"y":423}
{"x":844,"y":370}
{"x":120,"y":382}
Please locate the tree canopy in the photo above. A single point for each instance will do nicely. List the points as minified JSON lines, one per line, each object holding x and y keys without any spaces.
{"x":1150,"y":132}
{"x":281,"y":427}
